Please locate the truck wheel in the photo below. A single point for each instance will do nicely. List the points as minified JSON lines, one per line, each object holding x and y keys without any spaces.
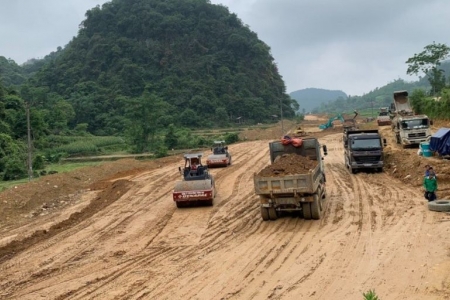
{"x":315,"y":208}
{"x":180,"y":204}
{"x":439,"y":205}
{"x":352,"y":170}
{"x":272,"y":213}
{"x":264,"y":213}
{"x":306,"y":207}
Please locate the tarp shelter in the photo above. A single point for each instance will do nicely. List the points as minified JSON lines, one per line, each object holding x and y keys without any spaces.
{"x":440,"y":142}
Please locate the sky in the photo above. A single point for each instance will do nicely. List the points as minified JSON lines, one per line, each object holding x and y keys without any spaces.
{"x":349,"y":45}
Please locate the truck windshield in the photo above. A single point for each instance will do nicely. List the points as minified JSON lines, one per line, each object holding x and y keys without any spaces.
{"x":366,"y":144}
{"x":415,"y":124}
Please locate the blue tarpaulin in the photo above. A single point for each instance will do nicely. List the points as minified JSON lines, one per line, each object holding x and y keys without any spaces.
{"x":440,"y":141}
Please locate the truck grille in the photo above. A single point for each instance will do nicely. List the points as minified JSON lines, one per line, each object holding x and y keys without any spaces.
{"x":367,"y":159}
{"x":417,"y":134}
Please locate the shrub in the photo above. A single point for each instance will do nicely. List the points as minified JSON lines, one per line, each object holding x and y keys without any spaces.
{"x":161,"y":151}
{"x":39,"y":162}
{"x":370,"y":295}
{"x":231,"y":138}
{"x":14,"y":169}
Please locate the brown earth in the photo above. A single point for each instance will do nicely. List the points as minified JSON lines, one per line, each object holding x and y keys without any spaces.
{"x":113,"y":232}
{"x":288,"y":164}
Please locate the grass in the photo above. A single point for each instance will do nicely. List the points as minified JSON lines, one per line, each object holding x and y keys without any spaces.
{"x":8,"y":184}
{"x":67,"y":167}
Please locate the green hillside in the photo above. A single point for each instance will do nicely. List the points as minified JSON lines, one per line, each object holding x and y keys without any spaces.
{"x":379,"y":97}
{"x":310,"y":98}
{"x":197,"y":58}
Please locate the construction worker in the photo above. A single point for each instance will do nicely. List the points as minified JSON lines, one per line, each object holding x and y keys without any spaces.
{"x":430,"y":185}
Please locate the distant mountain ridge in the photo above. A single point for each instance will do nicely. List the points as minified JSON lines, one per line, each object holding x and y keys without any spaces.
{"x":311,"y":98}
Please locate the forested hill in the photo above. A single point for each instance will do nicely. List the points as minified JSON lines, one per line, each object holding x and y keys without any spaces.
{"x":199,"y":60}
{"x":380,"y":96}
{"x":311,"y":98}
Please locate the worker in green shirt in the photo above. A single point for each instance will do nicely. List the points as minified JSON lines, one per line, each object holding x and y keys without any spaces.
{"x":430,"y":185}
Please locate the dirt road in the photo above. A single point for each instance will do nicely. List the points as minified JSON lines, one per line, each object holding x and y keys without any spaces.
{"x":376,"y":234}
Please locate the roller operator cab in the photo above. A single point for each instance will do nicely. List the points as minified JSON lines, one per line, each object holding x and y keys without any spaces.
{"x":197,"y":185}
{"x":220,"y":156}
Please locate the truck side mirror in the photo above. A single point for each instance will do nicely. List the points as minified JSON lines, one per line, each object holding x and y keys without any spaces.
{"x":384,"y":142}
{"x":179,"y":169}
{"x":431,"y":122}
{"x":226,"y":148}
{"x":325,"y":150}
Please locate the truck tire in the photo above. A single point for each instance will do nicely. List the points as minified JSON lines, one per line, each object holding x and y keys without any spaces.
{"x":180,"y":204}
{"x":272,"y":213}
{"x":315,"y":208}
{"x":439,"y":205}
{"x":352,"y":170}
{"x":306,"y":207}
{"x":264,"y":214}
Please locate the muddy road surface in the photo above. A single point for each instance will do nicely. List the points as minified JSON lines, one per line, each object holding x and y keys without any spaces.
{"x":376,"y":234}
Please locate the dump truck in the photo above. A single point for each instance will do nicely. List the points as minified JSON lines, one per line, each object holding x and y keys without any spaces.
{"x":409,"y":128}
{"x":197,"y":185}
{"x":383,"y":117}
{"x":220,"y":156}
{"x":350,"y":123}
{"x":363,"y":149}
{"x":302,"y":191}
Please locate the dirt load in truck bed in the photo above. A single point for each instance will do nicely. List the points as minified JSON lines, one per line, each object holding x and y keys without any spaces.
{"x":288,"y":164}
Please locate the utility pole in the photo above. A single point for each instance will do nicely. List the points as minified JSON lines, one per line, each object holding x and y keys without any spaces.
{"x":281,"y":113}
{"x":30,"y":162}
{"x":372,"y":108}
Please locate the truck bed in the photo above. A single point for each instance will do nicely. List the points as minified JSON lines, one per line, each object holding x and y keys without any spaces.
{"x":288,"y":185}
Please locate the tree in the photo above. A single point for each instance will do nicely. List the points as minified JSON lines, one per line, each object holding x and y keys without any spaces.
{"x":171,"y":139}
{"x":144,"y":114}
{"x":428,"y":62}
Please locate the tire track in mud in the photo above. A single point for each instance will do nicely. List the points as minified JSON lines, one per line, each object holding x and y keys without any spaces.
{"x":242,"y":256}
{"x":178,"y":252}
{"x":236,"y":230}
{"x":276,"y":256}
{"x":214,"y":235}
{"x":103,"y":233}
{"x":368,"y":213}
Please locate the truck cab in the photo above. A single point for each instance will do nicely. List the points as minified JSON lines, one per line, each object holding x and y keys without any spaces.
{"x":409,"y":128}
{"x":363,"y":149}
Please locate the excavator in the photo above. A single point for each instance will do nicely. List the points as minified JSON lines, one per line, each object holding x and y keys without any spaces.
{"x":331,"y":120}
{"x":197,"y":186}
{"x":348,"y":124}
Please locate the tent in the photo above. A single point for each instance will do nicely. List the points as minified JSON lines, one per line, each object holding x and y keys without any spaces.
{"x":440,"y":142}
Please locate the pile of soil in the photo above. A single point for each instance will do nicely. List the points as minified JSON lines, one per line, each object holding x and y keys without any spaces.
{"x":289,"y":164}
